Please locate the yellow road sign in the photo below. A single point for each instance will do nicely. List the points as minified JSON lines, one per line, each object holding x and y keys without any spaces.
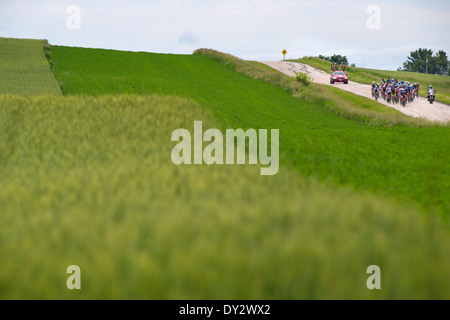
{"x":284,"y":52}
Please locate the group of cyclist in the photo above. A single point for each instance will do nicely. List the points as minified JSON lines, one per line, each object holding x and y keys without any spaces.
{"x":396,"y":91}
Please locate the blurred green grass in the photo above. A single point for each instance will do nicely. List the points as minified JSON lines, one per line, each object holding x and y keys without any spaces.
{"x":89,"y":181}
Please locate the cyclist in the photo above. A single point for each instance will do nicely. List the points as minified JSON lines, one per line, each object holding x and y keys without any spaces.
{"x":402,"y":92}
{"x":383,"y":90}
{"x":411,"y":91}
{"x":376,"y":90}
{"x":389,"y":92}
{"x":395,"y":93}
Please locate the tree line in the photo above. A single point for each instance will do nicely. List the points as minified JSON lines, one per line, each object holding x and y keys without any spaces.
{"x":421,"y":60}
{"x":417,"y":62}
{"x":336,"y":58}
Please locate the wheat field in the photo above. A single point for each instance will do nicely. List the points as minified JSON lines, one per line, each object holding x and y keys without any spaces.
{"x":88,"y":181}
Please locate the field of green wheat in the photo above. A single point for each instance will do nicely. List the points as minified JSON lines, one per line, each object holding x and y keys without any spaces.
{"x":87,"y":179}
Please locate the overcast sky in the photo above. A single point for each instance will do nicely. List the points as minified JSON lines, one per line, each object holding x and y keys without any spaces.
{"x":250,"y":29}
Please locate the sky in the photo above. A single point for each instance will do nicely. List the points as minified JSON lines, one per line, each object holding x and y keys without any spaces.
{"x":373,"y":34}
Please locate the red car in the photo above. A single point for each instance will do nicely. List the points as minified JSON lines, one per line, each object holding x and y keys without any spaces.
{"x":339,"y":76}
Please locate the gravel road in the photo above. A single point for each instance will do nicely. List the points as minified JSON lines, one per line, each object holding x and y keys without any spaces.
{"x":419,"y":108}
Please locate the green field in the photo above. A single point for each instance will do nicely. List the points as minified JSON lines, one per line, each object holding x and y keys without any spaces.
{"x":24,"y":69}
{"x":341,"y":103}
{"x":314,"y":141}
{"x":87,"y":179}
{"x":363,"y":75}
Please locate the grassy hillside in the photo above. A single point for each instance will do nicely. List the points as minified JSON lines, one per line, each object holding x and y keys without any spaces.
{"x":24,"y":68}
{"x":341,"y":103}
{"x":400,"y":161}
{"x":362,"y":75}
{"x":89,"y":181}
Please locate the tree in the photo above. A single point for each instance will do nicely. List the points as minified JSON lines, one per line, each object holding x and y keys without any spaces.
{"x":336,"y":58}
{"x":442,"y":65}
{"x":417,"y":62}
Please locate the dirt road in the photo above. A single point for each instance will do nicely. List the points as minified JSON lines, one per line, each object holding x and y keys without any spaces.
{"x":420,"y":108}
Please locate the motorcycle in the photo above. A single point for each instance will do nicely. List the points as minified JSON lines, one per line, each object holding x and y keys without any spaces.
{"x":431,"y":98}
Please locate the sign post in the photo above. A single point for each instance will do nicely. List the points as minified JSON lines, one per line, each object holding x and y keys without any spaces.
{"x":284,"y":52}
